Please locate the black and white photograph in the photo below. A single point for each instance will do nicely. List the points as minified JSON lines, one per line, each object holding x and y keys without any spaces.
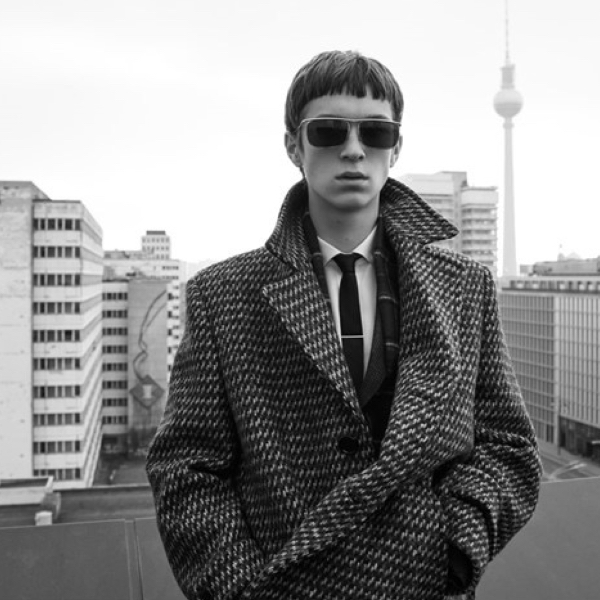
{"x":299,"y":300}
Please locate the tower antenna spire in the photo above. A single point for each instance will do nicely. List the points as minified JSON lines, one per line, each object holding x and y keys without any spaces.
{"x":507,"y":29}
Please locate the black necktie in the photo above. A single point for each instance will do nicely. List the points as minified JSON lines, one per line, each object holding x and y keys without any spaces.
{"x":350,"y":321}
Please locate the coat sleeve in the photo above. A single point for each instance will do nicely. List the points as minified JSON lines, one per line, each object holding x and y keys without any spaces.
{"x":491,"y":493}
{"x":190,"y":465}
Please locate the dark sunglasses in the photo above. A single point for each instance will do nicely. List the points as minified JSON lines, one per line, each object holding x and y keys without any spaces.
{"x":324,"y":132}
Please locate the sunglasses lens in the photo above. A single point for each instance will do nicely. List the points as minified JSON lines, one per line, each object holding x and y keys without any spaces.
{"x":325,"y":132}
{"x":379,"y":134}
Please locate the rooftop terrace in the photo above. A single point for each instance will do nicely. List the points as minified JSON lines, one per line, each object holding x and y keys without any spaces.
{"x":555,"y":557}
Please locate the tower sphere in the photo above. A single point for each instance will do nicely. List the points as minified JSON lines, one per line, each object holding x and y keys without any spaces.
{"x":508,"y":103}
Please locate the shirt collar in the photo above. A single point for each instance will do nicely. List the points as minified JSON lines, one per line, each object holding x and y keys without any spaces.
{"x":365,"y":248}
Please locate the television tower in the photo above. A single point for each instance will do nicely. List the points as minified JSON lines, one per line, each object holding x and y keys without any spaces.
{"x":508,"y":102}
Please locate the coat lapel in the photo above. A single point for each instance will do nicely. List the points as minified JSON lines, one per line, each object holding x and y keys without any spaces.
{"x":303,"y":311}
{"x":299,"y":302}
{"x":430,"y":293}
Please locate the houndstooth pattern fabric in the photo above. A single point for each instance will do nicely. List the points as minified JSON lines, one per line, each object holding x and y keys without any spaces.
{"x":255,"y":498}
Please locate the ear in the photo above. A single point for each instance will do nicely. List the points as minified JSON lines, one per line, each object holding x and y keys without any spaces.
{"x":292,"y":149}
{"x":396,"y":152}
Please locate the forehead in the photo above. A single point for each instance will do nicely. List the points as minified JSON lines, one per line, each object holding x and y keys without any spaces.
{"x":346,"y":105}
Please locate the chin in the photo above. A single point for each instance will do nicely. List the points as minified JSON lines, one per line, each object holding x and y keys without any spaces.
{"x":353,"y":203}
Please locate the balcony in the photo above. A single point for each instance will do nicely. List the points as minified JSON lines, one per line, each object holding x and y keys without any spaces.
{"x":553,"y":558}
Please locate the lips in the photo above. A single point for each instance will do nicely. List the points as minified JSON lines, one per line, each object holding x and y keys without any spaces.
{"x":352,"y":176}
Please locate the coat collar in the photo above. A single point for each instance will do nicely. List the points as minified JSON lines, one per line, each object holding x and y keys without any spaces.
{"x":405,"y":215}
{"x":427,"y":293}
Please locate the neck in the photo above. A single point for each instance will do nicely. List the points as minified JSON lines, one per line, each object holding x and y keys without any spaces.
{"x":344,"y":230}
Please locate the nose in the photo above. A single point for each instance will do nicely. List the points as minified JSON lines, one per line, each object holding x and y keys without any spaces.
{"x":353,"y":148}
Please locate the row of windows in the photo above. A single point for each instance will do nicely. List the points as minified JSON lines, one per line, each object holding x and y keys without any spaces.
{"x":59,"y":447}
{"x":56,"y":335}
{"x":472,"y":221}
{"x":530,"y":328}
{"x":43,"y":420}
{"x":532,"y":348}
{"x":115,"y":420}
{"x":528,"y":303}
{"x":114,"y":331}
{"x":588,"y":414}
{"x":56,"y":364}
{"x":57,"y":224}
{"x":540,"y":414}
{"x":474,"y":244}
{"x":114,"y":385}
{"x":58,"y":474}
{"x":114,"y":401}
{"x":554,"y":285}
{"x":61,"y":279}
{"x":476,"y":231}
{"x":114,"y":314}
{"x":114,"y":296}
{"x":114,"y":366}
{"x":534,"y":382}
{"x":56,"y":308}
{"x":482,"y":212}
{"x":119,"y":349}
{"x":56,"y":252}
{"x":156,"y":238}
{"x":56,"y":391}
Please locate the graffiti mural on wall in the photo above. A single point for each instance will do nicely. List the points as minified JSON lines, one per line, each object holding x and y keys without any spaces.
{"x":148,"y":362}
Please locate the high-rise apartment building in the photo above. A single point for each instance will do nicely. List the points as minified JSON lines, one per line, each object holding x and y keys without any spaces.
{"x":552,"y":325}
{"x":50,"y":337}
{"x":120,"y":264}
{"x":135,"y":361}
{"x":142,"y":326}
{"x":474,"y":210}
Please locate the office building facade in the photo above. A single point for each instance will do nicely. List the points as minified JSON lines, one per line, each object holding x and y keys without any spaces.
{"x":552,"y":326}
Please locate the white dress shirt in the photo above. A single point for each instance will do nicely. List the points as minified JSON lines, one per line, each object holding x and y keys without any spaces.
{"x":367,"y":288}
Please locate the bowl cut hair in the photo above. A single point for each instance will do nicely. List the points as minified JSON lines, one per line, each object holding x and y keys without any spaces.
{"x":337,"y":72}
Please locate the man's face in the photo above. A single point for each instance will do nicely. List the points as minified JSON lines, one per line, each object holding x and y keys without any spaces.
{"x":347,"y":177}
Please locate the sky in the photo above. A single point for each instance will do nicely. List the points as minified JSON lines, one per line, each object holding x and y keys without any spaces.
{"x":168,"y":115}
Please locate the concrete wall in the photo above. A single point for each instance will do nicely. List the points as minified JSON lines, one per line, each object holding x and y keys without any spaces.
{"x":16,"y":347}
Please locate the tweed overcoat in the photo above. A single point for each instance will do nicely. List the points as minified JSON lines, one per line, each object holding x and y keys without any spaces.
{"x":256,"y":499}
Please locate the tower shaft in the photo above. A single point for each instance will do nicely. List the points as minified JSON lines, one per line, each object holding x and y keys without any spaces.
{"x":509,"y":250}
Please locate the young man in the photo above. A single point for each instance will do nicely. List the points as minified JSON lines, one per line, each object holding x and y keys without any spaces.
{"x":342,"y":426}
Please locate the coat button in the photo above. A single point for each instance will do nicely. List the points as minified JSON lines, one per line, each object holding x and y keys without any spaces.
{"x":348,"y":445}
